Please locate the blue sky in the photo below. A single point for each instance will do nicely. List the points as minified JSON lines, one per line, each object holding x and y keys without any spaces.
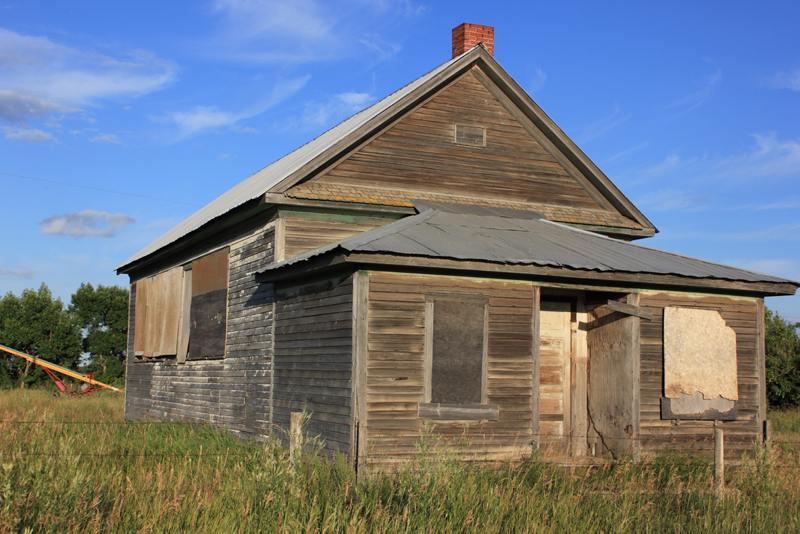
{"x":691,"y":108}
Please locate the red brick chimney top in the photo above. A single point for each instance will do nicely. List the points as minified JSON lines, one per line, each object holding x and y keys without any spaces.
{"x":468,"y":35}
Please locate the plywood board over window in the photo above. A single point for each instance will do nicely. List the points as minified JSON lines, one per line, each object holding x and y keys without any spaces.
{"x":700,"y":374}
{"x":209,"y":306}
{"x":158,"y":313}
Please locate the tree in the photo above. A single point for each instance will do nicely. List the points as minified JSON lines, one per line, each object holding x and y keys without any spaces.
{"x":782,"y":340}
{"x":36,"y":324}
{"x":102,"y":314}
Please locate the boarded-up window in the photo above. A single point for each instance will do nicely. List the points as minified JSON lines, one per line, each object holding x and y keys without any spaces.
{"x":470,"y":135}
{"x":158,"y":314}
{"x":457,"y":350}
{"x":209,"y":306}
{"x":700,"y":371}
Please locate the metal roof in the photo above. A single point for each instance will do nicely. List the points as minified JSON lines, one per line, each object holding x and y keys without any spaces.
{"x":268,"y":177}
{"x":508,"y":236}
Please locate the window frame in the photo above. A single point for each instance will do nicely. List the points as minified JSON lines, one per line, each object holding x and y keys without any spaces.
{"x":455,"y":411}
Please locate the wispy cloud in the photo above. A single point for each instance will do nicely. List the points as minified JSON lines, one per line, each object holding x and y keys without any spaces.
{"x":204,"y":118}
{"x":786,"y":80}
{"x":671,"y":200}
{"x":625,"y":153}
{"x":18,"y":106}
{"x":106,"y":138}
{"x":87,"y":223}
{"x":301,"y":31}
{"x":603,"y":125}
{"x":16,"y":271}
{"x":700,"y":97}
{"x":769,"y":157}
{"x":537,"y":79}
{"x":39,"y":77}
{"x":28,"y":135}
{"x":326,"y":113}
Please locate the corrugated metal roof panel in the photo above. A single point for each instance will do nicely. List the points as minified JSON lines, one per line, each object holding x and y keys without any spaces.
{"x":481,"y":235}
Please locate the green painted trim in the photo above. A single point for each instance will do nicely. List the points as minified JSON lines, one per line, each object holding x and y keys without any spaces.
{"x":338,"y":215}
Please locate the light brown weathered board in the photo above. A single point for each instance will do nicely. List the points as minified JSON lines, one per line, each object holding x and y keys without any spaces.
{"x":304,"y":234}
{"x":555,"y":342}
{"x":579,"y":411}
{"x":186,"y":308}
{"x":140,"y":317}
{"x":170,"y":312}
{"x":613,"y":386}
{"x":420,"y":153}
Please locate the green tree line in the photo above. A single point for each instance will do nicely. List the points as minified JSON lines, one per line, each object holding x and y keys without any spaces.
{"x":91,"y":332}
{"x":88,"y":335}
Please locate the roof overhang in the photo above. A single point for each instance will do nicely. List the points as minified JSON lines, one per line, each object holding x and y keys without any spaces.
{"x":337,"y":259}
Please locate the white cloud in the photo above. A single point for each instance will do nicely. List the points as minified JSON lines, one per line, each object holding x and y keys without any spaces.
{"x":86,"y":223}
{"x":39,"y":77}
{"x":787,"y":80}
{"x":537,"y":80}
{"x":671,"y":200}
{"x":106,"y":138}
{"x":698,"y":98}
{"x":603,"y":125}
{"x":18,"y":106}
{"x":209,"y":117}
{"x":768,"y":158}
{"x":336,"y":108}
{"x":627,"y":152}
{"x":18,"y":272}
{"x":29,"y":135}
{"x":301,"y":31}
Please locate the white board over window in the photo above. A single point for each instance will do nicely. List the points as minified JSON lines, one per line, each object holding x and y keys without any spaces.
{"x":699,"y":355}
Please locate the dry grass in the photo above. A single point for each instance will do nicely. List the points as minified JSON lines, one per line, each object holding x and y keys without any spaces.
{"x":57,"y":476}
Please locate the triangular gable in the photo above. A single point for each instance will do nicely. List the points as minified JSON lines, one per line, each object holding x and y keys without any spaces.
{"x":524,"y":160}
{"x":328,"y":149}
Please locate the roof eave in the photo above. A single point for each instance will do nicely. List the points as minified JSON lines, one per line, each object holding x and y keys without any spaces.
{"x":339,"y":258}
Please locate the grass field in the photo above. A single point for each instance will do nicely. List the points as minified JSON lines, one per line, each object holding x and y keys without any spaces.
{"x":57,"y":476}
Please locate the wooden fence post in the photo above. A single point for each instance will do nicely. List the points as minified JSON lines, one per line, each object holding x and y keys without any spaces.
{"x":295,"y":436}
{"x":719,"y":462}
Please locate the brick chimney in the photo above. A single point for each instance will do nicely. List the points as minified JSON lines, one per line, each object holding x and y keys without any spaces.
{"x":468,"y":35}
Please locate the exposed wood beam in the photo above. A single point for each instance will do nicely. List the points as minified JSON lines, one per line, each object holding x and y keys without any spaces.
{"x":629,"y":309}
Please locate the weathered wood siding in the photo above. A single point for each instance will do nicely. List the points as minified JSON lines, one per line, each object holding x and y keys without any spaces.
{"x":555,"y":344}
{"x":314,"y":358}
{"x":306,"y":233}
{"x":235,"y":390}
{"x":614,"y":357}
{"x":395,"y":367}
{"x":741,"y":315}
{"x":420,"y":153}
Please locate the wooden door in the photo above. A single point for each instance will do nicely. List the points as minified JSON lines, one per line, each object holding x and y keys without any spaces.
{"x":555,"y":346}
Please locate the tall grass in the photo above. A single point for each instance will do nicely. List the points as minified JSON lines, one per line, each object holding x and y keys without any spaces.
{"x":132,"y":477}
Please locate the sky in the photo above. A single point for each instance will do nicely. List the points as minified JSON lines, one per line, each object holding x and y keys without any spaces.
{"x":119,"y":119}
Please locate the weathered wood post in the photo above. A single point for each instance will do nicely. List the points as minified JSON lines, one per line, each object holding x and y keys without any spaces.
{"x":767,"y":433}
{"x":719,"y":462}
{"x":295,"y":436}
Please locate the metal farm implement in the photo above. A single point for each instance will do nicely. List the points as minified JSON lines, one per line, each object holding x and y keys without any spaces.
{"x":91,"y":385}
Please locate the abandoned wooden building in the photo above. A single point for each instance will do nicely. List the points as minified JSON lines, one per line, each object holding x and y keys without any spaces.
{"x":446,"y":256}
